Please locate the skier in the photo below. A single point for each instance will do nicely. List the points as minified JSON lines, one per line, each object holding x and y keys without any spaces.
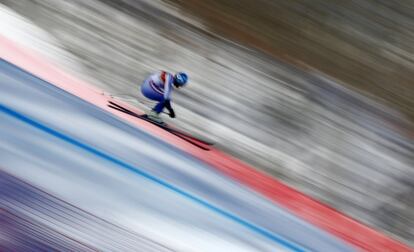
{"x":159,"y":87}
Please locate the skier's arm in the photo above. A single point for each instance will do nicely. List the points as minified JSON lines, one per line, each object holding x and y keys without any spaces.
{"x":167,"y":95}
{"x":167,"y":87}
{"x":167,"y":105}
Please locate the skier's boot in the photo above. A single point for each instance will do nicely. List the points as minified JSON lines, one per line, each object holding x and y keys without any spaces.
{"x":154,"y":116}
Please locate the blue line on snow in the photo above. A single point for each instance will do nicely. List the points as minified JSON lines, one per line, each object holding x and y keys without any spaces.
{"x":261,"y":231}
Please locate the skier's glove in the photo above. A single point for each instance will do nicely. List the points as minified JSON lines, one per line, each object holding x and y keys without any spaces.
{"x":172,"y":113}
{"x":170,"y":109}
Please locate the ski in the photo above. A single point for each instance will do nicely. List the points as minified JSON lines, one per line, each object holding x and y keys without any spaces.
{"x":191,"y":139}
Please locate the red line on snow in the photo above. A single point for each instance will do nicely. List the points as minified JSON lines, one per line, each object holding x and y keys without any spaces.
{"x":303,"y":206}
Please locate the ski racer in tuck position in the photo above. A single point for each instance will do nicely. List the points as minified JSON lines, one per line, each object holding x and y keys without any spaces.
{"x":158,"y":87}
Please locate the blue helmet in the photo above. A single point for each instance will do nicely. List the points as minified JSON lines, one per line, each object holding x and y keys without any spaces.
{"x":180,"y":79}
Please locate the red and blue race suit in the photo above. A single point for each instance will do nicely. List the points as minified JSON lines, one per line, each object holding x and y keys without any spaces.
{"x":158,"y":87}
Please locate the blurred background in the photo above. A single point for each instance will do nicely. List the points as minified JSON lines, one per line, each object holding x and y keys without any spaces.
{"x":318,"y":94}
